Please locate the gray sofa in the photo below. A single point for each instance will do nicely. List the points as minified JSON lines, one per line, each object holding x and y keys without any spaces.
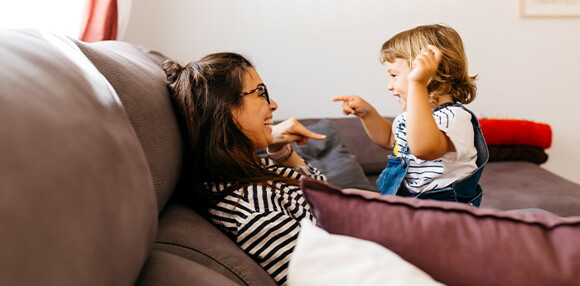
{"x":88,"y":167}
{"x":90,"y":159}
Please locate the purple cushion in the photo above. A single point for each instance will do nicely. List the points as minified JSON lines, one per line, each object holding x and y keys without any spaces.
{"x":455,"y":243}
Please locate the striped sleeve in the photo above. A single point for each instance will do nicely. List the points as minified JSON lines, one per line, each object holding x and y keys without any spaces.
{"x":269,"y":238}
{"x":294,"y":172}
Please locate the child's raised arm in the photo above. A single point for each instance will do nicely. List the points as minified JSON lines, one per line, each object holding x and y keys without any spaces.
{"x":425,"y":139}
{"x":377,"y":127}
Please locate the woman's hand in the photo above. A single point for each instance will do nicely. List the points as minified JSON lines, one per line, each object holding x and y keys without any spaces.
{"x":425,"y":65}
{"x":352,"y":104}
{"x":290,"y":130}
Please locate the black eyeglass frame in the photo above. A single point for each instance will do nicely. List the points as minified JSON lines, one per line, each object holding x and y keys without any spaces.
{"x":260,"y":87}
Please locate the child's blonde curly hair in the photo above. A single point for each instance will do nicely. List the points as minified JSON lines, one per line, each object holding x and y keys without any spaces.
{"x":451,"y":76}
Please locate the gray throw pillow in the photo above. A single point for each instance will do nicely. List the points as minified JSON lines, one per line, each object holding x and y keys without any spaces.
{"x":333,"y":158}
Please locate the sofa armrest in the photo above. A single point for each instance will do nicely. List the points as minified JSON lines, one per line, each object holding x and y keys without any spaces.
{"x":185,"y":233}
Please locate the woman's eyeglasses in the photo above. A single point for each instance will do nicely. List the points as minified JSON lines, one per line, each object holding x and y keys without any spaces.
{"x":261,"y":87}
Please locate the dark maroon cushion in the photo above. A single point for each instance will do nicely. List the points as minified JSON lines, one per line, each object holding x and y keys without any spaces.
{"x":517,"y":153}
{"x":455,"y":243}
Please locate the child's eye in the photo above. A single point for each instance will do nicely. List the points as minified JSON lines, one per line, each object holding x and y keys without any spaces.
{"x":392,"y":75}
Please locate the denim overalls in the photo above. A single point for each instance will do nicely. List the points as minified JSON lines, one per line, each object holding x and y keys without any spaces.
{"x":466,"y":190}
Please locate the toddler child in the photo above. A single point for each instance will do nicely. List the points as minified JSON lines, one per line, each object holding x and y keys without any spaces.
{"x":438,"y":149}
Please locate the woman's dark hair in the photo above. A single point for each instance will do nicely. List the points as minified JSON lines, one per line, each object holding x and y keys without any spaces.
{"x":216,"y":150}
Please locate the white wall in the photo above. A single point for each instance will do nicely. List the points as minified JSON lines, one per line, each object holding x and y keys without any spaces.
{"x":308,"y":51}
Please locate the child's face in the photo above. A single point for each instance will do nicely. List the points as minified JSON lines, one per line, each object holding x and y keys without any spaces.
{"x":398,"y":72}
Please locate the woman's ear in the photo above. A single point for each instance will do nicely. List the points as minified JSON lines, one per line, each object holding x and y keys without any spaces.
{"x":235,"y":112}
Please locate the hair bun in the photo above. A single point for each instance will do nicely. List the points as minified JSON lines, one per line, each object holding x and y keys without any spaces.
{"x":172,"y":70}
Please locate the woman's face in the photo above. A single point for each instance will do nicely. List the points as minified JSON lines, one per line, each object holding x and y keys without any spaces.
{"x":254,"y":116}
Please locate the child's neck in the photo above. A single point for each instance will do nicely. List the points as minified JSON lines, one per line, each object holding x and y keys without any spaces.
{"x":442,"y":100}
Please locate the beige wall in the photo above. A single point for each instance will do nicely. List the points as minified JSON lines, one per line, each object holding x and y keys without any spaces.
{"x":309,"y":51}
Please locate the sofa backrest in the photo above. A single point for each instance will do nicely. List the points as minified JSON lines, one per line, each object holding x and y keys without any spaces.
{"x":77,"y":198}
{"x":140,"y":83}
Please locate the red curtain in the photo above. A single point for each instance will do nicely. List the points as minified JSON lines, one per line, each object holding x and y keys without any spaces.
{"x":100,"y":21}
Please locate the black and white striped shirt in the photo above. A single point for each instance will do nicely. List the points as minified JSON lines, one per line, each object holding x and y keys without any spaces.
{"x":265,"y":222}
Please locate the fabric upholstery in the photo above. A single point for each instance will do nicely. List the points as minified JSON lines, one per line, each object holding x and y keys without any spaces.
{"x":167,"y":269}
{"x":333,"y":158}
{"x":185,"y":233}
{"x":141,"y":84}
{"x":519,"y":185}
{"x":371,"y":157}
{"x":455,"y":243}
{"x":76,"y":195}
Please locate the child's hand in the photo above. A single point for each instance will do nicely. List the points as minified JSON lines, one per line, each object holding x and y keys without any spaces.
{"x":352,"y":104}
{"x":425,"y":64}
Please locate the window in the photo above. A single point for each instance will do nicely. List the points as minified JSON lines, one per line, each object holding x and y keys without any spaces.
{"x":56,"y":16}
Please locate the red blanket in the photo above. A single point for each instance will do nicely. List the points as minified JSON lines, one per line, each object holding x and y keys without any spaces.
{"x":516,"y":132}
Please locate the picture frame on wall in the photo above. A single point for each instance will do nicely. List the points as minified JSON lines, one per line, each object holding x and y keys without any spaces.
{"x":550,"y":8}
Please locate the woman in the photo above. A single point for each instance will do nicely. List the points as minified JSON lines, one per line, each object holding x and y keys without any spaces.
{"x":226,"y":113}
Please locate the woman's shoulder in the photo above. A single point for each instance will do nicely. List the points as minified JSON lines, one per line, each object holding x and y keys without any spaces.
{"x":255,"y":195}
{"x":295,"y":172}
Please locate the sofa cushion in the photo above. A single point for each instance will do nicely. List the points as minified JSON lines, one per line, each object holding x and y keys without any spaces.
{"x":371,"y":157}
{"x":167,"y":269}
{"x":456,"y":244}
{"x":141,"y":85}
{"x":516,"y":132}
{"x":527,"y":153}
{"x":333,"y":158}
{"x":185,"y":233}
{"x":77,"y":202}
{"x":519,"y":185}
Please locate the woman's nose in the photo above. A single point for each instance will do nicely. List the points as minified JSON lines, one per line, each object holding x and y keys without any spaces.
{"x":273,"y":104}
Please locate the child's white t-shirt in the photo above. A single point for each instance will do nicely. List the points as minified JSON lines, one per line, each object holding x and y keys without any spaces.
{"x":423,"y":175}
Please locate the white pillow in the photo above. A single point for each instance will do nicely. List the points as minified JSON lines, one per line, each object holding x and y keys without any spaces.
{"x":320,"y":258}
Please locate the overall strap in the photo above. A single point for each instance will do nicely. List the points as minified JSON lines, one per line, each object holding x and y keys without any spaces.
{"x":479,"y":141}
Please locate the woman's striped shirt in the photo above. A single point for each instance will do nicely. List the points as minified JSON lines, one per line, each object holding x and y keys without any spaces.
{"x":265,"y":222}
